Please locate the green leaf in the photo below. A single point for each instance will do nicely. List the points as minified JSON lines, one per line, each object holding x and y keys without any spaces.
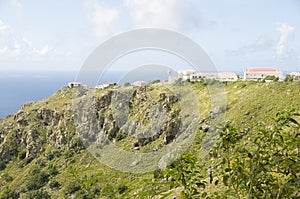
{"x":201,"y":184}
{"x":216,"y":182}
{"x":227,"y":169}
{"x":225,"y":180}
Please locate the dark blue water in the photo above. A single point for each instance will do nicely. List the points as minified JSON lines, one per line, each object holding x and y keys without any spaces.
{"x":19,"y":87}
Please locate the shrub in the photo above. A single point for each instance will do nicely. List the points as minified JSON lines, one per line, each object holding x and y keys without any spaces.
{"x":154,"y":81}
{"x":266,"y":168}
{"x":21,"y":155}
{"x":72,"y":187}
{"x":185,"y":172}
{"x":7,"y":177}
{"x":288,"y":78}
{"x":40,"y":194}
{"x":9,"y":194}
{"x":2,"y":165}
{"x":37,"y":180}
{"x":54,"y":184}
{"x":272,"y":78}
{"x":120,"y":136}
{"x":53,"y":171}
{"x":122,"y":189}
{"x":158,"y":174}
{"x":127,"y":84}
{"x":108,"y":191}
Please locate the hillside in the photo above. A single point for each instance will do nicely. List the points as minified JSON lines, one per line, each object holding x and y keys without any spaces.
{"x":42,"y":155}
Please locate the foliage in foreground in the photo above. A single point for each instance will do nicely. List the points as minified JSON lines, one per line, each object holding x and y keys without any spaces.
{"x":260,"y":165}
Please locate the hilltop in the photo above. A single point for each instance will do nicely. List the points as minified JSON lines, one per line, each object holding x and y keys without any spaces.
{"x":42,"y":156}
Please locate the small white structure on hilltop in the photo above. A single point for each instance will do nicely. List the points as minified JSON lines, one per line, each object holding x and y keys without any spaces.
{"x":295,"y":75}
{"x":139,"y":83}
{"x":261,"y":73}
{"x":74,"y":84}
{"x":185,"y":74}
{"x":171,"y":78}
{"x":228,"y":77}
{"x":105,"y":85}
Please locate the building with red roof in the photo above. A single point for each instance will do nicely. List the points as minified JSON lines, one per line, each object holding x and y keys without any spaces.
{"x":261,"y":73}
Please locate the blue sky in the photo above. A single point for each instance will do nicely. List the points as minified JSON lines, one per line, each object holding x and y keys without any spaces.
{"x":59,"y":35}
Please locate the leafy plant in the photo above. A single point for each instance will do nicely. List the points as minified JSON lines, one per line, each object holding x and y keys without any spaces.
{"x":2,"y":165}
{"x":37,"y":180}
{"x":268,"y":166}
{"x":185,"y":172}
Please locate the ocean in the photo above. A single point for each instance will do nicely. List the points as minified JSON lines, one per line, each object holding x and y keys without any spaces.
{"x":19,"y":87}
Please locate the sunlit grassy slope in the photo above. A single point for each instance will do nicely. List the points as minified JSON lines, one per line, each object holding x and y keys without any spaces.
{"x":62,"y":173}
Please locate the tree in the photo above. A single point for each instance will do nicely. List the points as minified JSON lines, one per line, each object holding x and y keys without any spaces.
{"x":127,"y":84}
{"x":268,"y":166}
{"x":185,"y":172}
{"x":288,"y":78}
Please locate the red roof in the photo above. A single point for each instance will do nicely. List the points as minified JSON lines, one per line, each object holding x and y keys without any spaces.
{"x":261,"y":70}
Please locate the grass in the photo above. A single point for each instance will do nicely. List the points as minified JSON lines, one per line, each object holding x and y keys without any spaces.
{"x":248,"y":105}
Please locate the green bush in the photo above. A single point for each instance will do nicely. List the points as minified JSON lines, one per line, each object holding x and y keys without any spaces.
{"x":120,"y":136}
{"x":185,"y":172}
{"x":2,"y":165}
{"x":267,"y":167}
{"x":40,"y":194}
{"x":108,"y":191}
{"x":52,"y":170}
{"x":72,"y":187}
{"x":7,"y":177}
{"x":9,"y":194}
{"x":154,"y":81}
{"x":122,"y":189}
{"x":54,"y":184}
{"x":288,"y":78}
{"x":127,"y":84}
{"x":37,"y":180}
{"x":21,"y":155}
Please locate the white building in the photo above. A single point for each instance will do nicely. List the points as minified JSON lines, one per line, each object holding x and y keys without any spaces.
{"x":261,"y":73}
{"x":198,"y":76}
{"x":139,"y":83}
{"x":105,"y":85}
{"x":171,"y":78}
{"x":222,"y":76}
{"x":185,"y":74}
{"x":74,"y":84}
{"x":295,"y":75}
{"x":228,"y":77}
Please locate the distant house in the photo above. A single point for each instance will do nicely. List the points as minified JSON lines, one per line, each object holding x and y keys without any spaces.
{"x":74,"y":84}
{"x":228,"y":77}
{"x":185,"y":74}
{"x":105,"y":85}
{"x":295,"y":75}
{"x":198,"y":76}
{"x":261,"y":73}
{"x":222,"y":76}
{"x":139,"y":83}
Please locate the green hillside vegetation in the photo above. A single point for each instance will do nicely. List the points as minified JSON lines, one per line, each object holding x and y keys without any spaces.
{"x":255,"y":156}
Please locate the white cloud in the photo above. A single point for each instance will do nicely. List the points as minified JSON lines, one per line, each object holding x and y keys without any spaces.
{"x":103,"y":17}
{"x":17,"y":7}
{"x":171,"y":14}
{"x":286,"y":33}
{"x":14,"y":46}
{"x":261,"y":44}
{"x":3,"y":27}
{"x":16,"y":4}
{"x":43,"y":51}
